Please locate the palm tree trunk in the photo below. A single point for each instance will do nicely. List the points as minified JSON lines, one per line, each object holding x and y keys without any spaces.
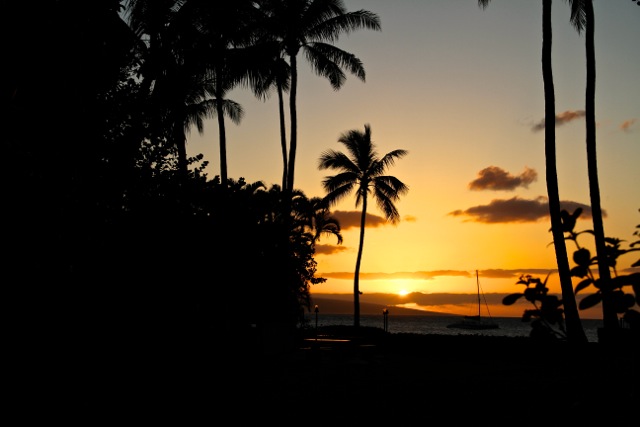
{"x":293,"y":123}
{"x":610,"y":318}
{"x":356,"y":276}
{"x":283,"y":137}
{"x":575,"y":332}
{"x":221,"y":131}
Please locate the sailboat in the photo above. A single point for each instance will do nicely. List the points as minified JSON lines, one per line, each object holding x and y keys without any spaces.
{"x":475,"y":321}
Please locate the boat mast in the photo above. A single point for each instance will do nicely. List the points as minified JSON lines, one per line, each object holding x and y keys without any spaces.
{"x":478,"y":286}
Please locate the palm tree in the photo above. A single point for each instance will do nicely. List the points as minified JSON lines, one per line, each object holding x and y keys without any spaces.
{"x":150,"y":19}
{"x":575,"y":332}
{"x":228,"y":33}
{"x":361,"y":169}
{"x":322,"y":222}
{"x":176,"y":78}
{"x":309,"y":25}
{"x":609,"y":316}
{"x":315,"y":217}
{"x":278,"y":76}
{"x":152,"y":22}
{"x":583,"y":18}
{"x":187,"y":104}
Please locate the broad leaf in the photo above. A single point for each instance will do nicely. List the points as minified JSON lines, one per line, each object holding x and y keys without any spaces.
{"x":583,"y":284}
{"x":590,"y":301}
{"x":579,"y":271}
{"x":511,"y":299}
{"x":531,"y":294}
{"x":582,"y":257}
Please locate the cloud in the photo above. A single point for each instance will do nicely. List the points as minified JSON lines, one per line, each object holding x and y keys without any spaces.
{"x":517,"y":210}
{"x":515,"y":274}
{"x":329,"y":249}
{"x":561,"y":119}
{"x":415,"y":275}
{"x":351,"y":219}
{"x":495,"y":178}
{"x":410,"y":218}
{"x":627,"y":125}
{"x":432,"y":274}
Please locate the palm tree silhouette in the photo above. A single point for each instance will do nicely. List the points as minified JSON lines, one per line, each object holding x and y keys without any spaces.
{"x":216,"y":42}
{"x":575,"y":332}
{"x":583,"y":18}
{"x":162,"y":78}
{"x":278,"y":76}
{"x":315,"y":216}
{"x":309,"y":25}
{"x":361,"y":169}
{"x":609,"y":315}
{"x":228,"y":35}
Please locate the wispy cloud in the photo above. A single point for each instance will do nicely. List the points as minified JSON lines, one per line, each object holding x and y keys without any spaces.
{"x":561,"y":119}
{"x":496,"y":178}
{"x":432,"y":274}
{"x":627,"y":125}
{"x":351,"y":219}
{"x":517,"y":210}
{"x":416,"y":275}
{"x":514,"y":274}
{"x":330,"y":249}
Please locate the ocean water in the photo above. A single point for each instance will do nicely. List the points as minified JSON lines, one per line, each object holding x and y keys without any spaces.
{"x":509,"y":326}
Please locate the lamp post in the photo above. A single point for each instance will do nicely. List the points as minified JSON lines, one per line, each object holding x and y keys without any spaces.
{"x":385,"y":315}
{"x":316,"y":310}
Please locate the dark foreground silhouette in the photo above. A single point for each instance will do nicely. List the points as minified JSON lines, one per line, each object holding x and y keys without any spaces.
{"x":337,"y":377}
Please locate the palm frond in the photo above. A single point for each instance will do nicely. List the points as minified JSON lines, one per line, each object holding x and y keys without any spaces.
{"x":337,"y":190}
{"x":233,"y":110}
{"x":578,"y":14}
{"x":324,"y":67}
{"x":341,"y":180}
{"x":330,"y":29}
{"x":389,"y":159}
{"x":390,"y":187}
{"x":339,"y":57}
{"x":332,"y":159}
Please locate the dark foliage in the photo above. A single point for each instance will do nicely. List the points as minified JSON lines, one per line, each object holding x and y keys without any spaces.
{"x":547,"y":316}
{"x":624,"y":303}
{"x":109,"y":244}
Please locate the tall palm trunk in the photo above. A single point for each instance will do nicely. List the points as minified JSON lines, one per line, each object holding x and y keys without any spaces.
{"x":575,"y":332}
{"x":293,"y":141}
{"x":221,"y":129}
{"x":610,"y":318}
{"x":283,"y":136}
{"x":356,"y":276}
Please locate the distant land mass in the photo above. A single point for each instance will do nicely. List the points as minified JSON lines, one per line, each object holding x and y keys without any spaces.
{"x":340,"y":306}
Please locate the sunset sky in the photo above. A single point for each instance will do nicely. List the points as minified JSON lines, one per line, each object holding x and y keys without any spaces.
{"x":461,"y":89}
